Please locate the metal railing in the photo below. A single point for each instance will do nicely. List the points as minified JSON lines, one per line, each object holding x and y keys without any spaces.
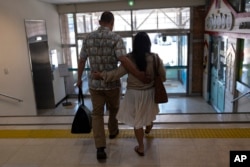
{"x":10,"y":97}
{"x":237,"y":98}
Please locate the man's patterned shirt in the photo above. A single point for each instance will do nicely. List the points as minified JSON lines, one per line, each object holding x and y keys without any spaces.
{"x":102,"y":47}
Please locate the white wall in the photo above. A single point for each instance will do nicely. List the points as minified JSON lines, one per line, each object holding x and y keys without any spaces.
{"x":15,"y":71}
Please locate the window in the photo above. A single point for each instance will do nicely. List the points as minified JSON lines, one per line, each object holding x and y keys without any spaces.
{"x":88,"y":22}
{"x":122,"y":21}
{"x":240,"y":5}
{"x":245,"y":64}
{"x":155,"y":19}
{"x":168,"y":29}
{"x":247,"y":5}
{"x":67,"y":29}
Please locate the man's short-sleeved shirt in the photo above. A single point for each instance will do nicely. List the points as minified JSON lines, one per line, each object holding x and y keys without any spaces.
{"x":102,"y":47}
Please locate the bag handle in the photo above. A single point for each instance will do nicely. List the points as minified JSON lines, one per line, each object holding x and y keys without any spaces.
{"x":80,"y":96}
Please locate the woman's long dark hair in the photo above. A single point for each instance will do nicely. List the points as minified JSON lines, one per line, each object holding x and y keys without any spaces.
{"x":141,"y":46}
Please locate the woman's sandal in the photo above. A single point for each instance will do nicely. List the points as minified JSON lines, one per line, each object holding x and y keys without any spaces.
{"x":148,"y":128}
{"x":138,"y":152}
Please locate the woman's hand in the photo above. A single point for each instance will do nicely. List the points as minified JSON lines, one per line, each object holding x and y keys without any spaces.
{"x":96,"y":75}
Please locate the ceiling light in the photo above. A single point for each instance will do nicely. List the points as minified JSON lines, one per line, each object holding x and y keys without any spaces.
{"x":131,"y":2}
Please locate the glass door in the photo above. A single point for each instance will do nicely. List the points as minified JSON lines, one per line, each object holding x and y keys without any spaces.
{"x":168,"y":29}
{"x":173,"y":51}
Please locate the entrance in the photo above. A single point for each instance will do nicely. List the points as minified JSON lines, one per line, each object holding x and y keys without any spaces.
{"x":168,"y":29}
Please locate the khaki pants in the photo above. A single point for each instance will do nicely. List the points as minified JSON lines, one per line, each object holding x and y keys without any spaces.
{"x":112,"y":100}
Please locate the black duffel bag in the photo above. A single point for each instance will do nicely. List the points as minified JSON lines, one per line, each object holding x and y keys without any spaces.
{"x":82,"y":122}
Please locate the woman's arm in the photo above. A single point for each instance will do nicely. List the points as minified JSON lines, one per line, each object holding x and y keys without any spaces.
{"x":131,"y":68}
{"x":109,"y":76}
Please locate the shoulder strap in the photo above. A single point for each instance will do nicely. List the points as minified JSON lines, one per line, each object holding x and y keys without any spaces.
{"x":156,"y":64}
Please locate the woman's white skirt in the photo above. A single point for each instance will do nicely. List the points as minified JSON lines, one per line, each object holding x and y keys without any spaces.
{"x":138,"y":108}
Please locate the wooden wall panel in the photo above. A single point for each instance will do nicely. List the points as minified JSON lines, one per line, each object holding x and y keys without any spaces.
{"x":197,"y":49}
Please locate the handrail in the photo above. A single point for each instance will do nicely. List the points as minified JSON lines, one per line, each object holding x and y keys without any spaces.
{"x":237,"y":98}
{"x":166,"y":67}
{"x":19,"y":100}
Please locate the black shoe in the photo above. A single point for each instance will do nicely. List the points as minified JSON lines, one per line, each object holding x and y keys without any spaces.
{"x":114,"y":136}
{"x":100,"y":154}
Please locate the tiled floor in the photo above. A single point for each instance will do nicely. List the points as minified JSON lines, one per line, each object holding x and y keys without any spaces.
{"x":176,"y":105}
{"x":159,"y":152}
{"x":81,"y":152}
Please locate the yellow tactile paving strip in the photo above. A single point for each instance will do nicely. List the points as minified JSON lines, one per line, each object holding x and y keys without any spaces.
{"x":129,"y":133}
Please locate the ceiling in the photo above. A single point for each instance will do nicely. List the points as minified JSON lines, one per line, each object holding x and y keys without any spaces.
{"x":75,"y":1}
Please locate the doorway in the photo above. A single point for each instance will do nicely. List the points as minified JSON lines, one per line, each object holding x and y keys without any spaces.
{"x":40,"y":63}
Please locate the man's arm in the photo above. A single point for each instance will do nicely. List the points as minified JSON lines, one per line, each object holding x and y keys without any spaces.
{"x":131,"y":68}
{"x":81,"y":66}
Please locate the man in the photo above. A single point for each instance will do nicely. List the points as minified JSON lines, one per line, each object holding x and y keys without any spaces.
{"x":104,"y":49}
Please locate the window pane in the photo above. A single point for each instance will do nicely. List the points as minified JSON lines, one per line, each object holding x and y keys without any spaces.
{"x":79,"y":42}
{"x":238,"y":5}
{"x":171,"y":49}
{"x":184,"y":49}
{"x":87,"y":22}
{"x":145,"y":19}
{"x":67,"y":29}
{"x":128,"y":44}
{"x":247,"y":5}
{"x":70,"y":56}
{"x":245,"y":69}
{"x":122,"y":20}
{"x":169,"y":18}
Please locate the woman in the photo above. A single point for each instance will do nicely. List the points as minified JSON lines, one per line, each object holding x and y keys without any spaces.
{"x":138,"y":108}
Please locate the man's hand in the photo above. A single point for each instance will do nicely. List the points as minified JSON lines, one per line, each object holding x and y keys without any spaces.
{"x":79,"y":83}
{"x":96,"y":75}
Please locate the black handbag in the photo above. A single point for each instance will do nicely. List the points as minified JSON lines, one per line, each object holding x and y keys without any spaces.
{"x":82,"y":122}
